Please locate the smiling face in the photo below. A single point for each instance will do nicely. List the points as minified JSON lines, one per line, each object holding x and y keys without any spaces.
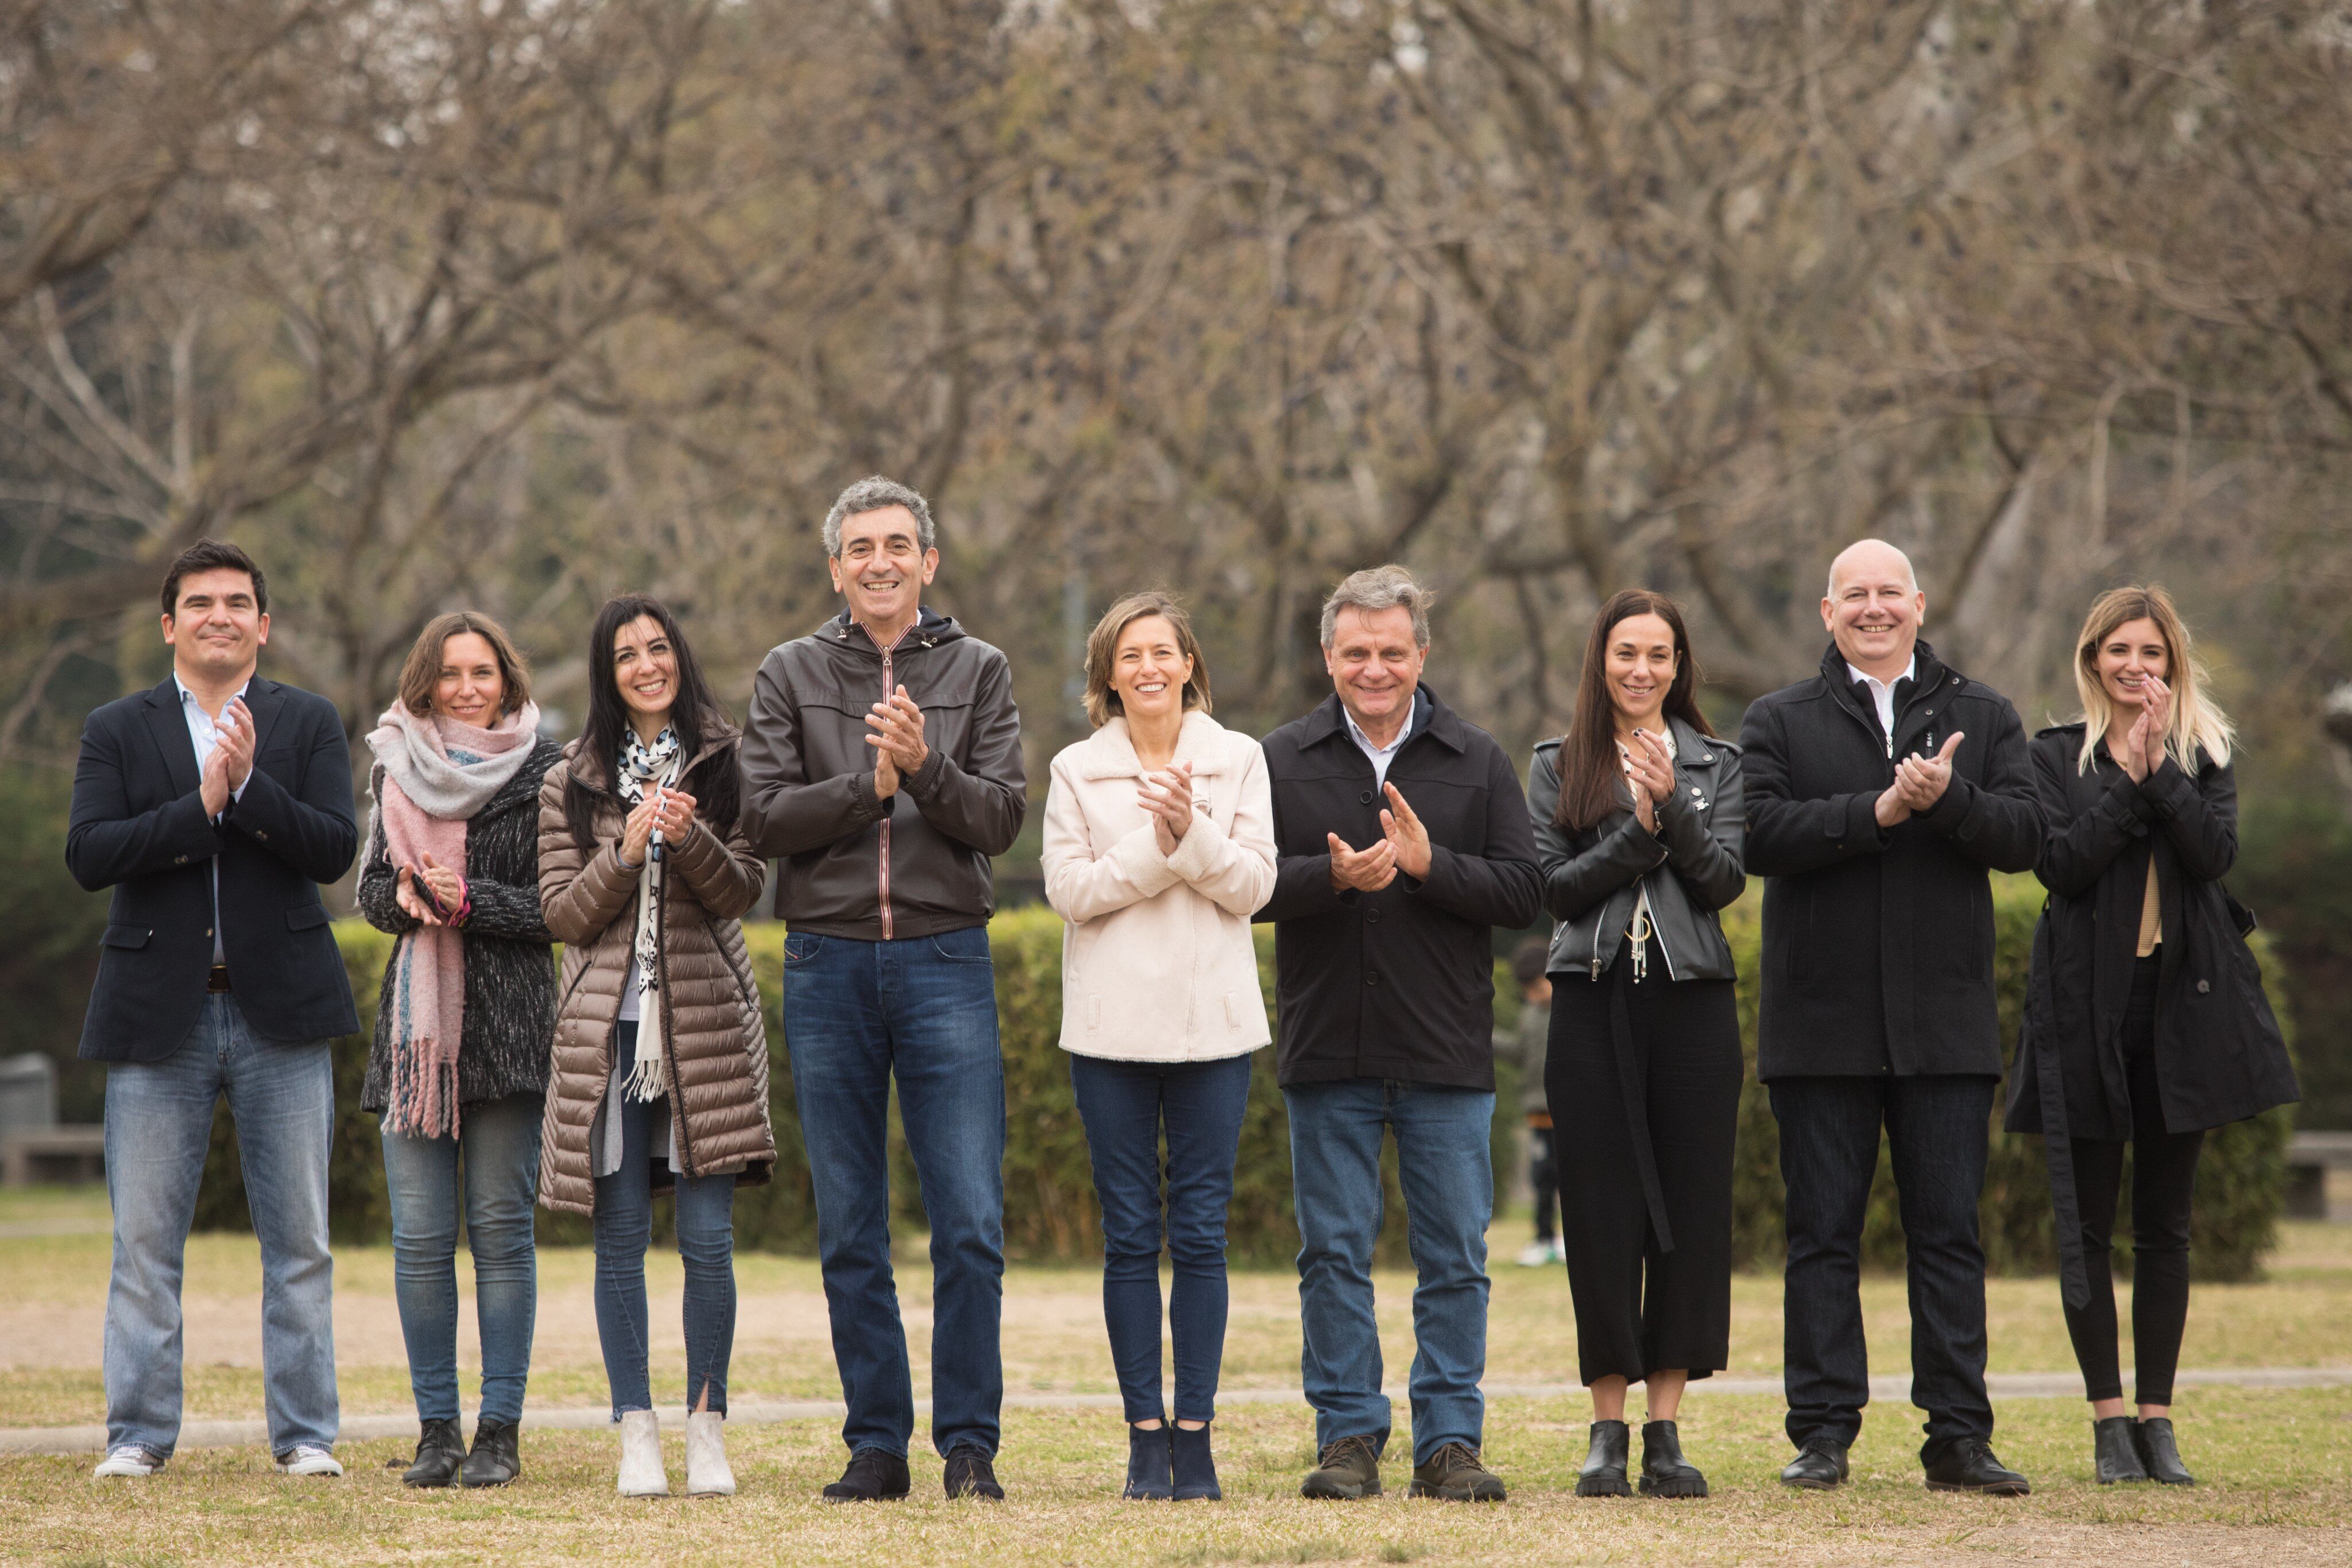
{"x":883,"y":568}
{"x":1148,"y":669}
{"x":1641,"y":670}
{"x":1375,"y":665}
{"x":471,"y":687}
{"x":1874,"y":608}
{"x":645,"y":666}
{"x":2127,"y":656}
{"x":216,"y":627}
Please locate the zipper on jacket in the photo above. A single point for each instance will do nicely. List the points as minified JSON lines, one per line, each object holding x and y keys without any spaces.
{"x":888,"y":687}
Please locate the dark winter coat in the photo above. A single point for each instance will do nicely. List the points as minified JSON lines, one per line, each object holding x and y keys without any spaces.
{"x":502,"y":1048}
{"x":1399,"y":983}
{"x":138,"y":826}
{"x":2220,"y":1057}
{"x":1878,"y":941}
{"x":915,"y":864}
{"x":1691,"y":865}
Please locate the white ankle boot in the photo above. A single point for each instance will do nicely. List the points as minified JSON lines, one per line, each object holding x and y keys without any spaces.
{"x":641,"y":1460}
{"x":707,"y":1474}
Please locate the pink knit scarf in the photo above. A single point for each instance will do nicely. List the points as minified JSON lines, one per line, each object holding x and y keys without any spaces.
{"x":426,"y":988}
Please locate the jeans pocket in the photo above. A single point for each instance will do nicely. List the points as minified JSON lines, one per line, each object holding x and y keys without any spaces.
{"x":968,"y":945}
{"x":800,"y":947}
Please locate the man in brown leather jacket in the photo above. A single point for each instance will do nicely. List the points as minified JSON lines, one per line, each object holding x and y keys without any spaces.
{"x":882,"y":765}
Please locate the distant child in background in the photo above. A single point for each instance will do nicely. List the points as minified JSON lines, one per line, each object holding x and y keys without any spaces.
{"x":1526,"y":1046}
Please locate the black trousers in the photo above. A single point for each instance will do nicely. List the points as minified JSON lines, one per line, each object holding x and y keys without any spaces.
{"x":1543,"y":1176}
{"x":2164,"y":1173}
{"x":1645,"y":1075}
{"x":1937,"y":1133}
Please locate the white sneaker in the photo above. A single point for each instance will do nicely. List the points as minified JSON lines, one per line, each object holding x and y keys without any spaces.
{"x":130,"y":1459}
{"x":1536,"y":1254}
{"x":641,"y":1460}
{"x":309,"y":1459}
{"x":707,"y":1474}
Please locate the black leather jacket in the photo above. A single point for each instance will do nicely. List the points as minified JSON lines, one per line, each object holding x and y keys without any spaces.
{"x":1691,"y":865}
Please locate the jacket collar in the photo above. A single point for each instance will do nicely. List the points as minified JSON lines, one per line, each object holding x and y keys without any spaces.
{"x":1928,"y":673}
{"x":718,"y":734}
{"x":1430,"y":716}
{"x":931,"y":629}
{"x":1109,"y":752}
{"x":167,"y":721}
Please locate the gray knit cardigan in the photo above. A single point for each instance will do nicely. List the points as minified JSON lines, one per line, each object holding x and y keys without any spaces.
{"x":509,"y":970}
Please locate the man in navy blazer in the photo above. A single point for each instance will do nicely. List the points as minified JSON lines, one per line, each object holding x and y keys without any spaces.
{"x":214,"y":805}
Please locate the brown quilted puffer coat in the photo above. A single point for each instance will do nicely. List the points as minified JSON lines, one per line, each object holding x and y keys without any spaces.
{"x":718,"y":1064}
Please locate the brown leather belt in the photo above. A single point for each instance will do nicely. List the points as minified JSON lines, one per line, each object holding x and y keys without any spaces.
{"x":219,"y":981}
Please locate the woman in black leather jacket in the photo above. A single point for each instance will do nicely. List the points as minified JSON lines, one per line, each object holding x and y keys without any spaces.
{"x":1639,"y":822}
{"x":2144,"y":1019}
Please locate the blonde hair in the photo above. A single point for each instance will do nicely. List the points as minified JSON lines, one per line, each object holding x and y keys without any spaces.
{"x":422,"y":671}
{"x":1102,"y":647}
{"x":2198,"y":724}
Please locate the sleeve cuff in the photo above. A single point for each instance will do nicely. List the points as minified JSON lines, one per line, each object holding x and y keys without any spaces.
{"x":1138,"y":855}
{"x":1861,"y":823}
{"x":924,"y":781}
{"x":2159,"y":792}
{"x":1196,"y":852}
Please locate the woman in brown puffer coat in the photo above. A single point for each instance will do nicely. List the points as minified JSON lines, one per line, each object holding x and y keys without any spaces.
{"x":660,"y":1068}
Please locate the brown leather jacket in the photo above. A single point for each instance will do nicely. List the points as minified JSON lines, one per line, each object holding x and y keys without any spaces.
{"x":718,"y":1043}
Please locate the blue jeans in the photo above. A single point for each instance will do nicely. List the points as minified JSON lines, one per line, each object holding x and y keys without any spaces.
{"x":1937,"y":1132}
{"x":1445,"y":1156}
{"x":705,"y":1245}
{"x":159,"y":1123}
{"x":923,"y":1009}
{"x":498,"y":1140}
{"x":1125,"y":1105}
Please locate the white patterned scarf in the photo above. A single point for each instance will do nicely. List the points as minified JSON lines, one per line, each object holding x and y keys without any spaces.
{"x":645,"y":767}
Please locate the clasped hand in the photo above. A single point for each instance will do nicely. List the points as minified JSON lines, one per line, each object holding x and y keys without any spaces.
{"x":897,"y":742}
{"x":2144,"y":747}
{"x":1167,"y":797}
{"x":1404,"y":846}
{"x":670,"y":811}
{"x":1649,"y":775}
{"x":231,"y":762}
{"x":445,"y":885}
{"x":1919,"y":783}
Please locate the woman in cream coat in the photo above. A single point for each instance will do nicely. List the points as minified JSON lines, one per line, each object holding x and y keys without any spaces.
{"x":1158,"y":848}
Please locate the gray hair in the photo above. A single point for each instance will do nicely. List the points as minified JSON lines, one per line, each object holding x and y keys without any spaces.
{"x":1375,"y":588}
{"x":872,"y":494}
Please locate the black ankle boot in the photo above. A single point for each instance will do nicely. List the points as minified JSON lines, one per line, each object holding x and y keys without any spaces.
{"x":496,"y":1458}
{"x":440,"y":1450}
{"x":1664,"y":1471}
{"x":1196,"y":1467}
{"x":1149,"y":1463}
{"x":1603,"y":1474}
{"x":2159,"y":1453}
{"x":2113,"y":1453}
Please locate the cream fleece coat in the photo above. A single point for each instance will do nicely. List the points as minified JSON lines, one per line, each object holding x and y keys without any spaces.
{"x":1157,"y":960}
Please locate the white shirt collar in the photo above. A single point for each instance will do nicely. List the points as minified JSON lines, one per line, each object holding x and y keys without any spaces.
{"x":1356,"y":732}
{"x":188,"y":697}
{"x":1881,"y":694}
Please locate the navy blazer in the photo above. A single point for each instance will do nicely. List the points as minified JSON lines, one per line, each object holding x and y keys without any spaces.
{"x":138,"y":827}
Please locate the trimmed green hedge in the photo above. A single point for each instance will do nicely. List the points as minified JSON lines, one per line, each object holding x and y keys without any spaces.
{"x":1050,"y":1212}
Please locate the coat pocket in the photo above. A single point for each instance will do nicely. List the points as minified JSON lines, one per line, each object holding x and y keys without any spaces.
{"x":126,"y":937}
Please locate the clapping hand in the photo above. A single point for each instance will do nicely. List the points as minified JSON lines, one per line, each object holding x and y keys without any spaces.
{"x":1365,"y":870}
{"x":1405,"y":834}
{"x":897,"y":740}
{"x":2144,"y":746}
{"x":231,"y":762}
{"x":1924,"y":779}
{"x":412,"y":902}
{"x":1167,"y":799}
{"x":668,"y":811}
{"x":1649,"y":775}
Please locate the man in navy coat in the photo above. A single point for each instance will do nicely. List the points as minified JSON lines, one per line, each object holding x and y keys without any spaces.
{"x":214,"y":805}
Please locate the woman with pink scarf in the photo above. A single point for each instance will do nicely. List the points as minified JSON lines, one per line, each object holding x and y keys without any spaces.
{"x":459,"y":1066}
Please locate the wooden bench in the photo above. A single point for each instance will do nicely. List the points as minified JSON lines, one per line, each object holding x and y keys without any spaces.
{"x":53,"y":1154}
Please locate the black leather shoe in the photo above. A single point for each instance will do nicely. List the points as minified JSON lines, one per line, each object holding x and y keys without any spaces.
{"x":873,"y":1476}
{"x":1603,"y":1474}
{"x":2159,"y":1453}
{"x":496,"y":1458}
{"x":1348,"y":1469}
{"x":1457,"y":1474}
{"x":1195,"y":1467}
{"x":971,"y":1473}
{"x":440,"y":1451}
{"x":2113,"y":1453}
{"x":1970,"y":1465}
{"x":1819,"y":1466}
{"x":1150,"y":1464}
{"x":1664,"y":1471}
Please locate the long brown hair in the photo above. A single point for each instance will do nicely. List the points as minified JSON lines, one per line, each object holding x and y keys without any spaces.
{"x":1591,"y":779}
